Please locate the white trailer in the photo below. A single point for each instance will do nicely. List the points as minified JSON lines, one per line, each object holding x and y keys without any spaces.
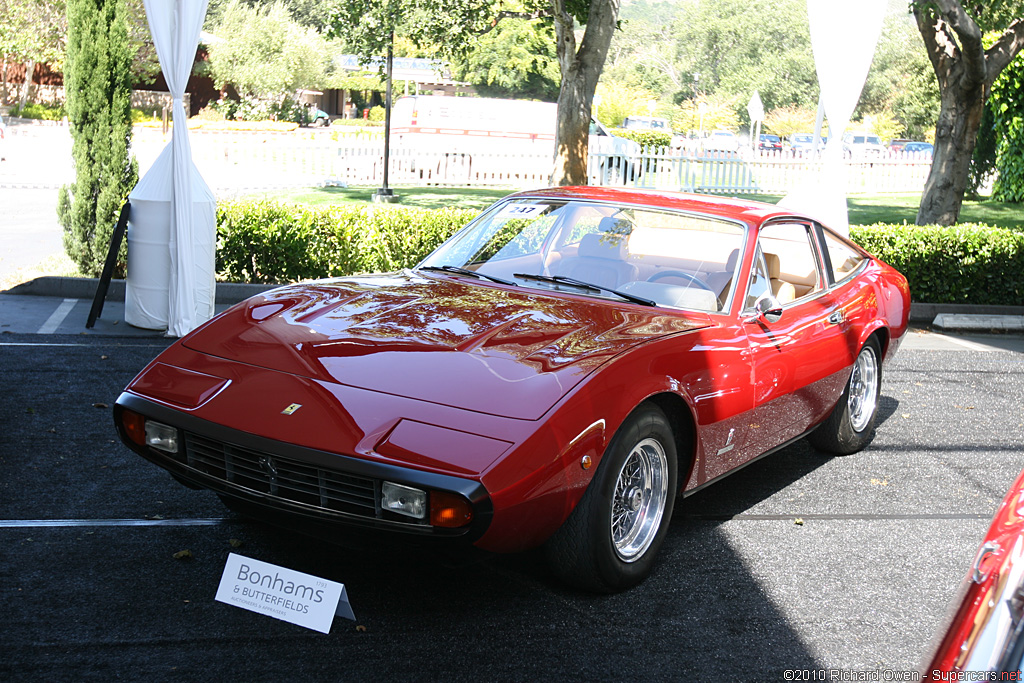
{"x":479,"y":125}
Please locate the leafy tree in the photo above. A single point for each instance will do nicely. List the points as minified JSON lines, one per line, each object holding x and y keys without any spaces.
{"x":264,"y":54}
{"x":145,"y":63}
{"x":965,"y":70}
{"x":1007,"y":107}
{"x":733,"y":47}
{"x":786,"y":121}
{"x":642,"y":54}
{"x":33,"y":32}
{"x":515,"y":59}
{"x":719,"y":114}
{"x":98,"y":83}
{"x":368,"y":27}
{"x":883,"y":124}
{"x":901,"y":80}
{"x":618,"y":101}
{"x":315,"y":14}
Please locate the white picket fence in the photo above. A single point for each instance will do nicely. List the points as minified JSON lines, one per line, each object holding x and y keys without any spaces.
{"x":270,"y":161}
{"x":771,"y":173}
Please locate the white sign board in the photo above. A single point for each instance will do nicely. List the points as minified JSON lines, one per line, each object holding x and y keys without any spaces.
{"x":755,"y":108}
{"x":284,"y":594}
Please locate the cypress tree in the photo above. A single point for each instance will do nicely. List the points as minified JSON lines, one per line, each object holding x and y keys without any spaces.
{"x":97,"y":80}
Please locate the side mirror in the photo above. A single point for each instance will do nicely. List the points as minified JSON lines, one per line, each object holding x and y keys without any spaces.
{"x":768,"y":309}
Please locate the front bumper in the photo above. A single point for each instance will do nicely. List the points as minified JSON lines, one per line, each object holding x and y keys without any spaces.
{"x":294,"y":484}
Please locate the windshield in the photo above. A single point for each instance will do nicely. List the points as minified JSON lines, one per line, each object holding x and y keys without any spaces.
{"x":671,"y":259}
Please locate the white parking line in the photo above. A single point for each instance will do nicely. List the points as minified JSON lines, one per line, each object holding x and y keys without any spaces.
{"x":37,"y":523}
{"x":964,"y":343}
{"x":57,"y":317}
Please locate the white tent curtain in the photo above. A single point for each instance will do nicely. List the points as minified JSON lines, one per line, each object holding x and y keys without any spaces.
{"x":843,"y":38}
{"x":172,"y":204}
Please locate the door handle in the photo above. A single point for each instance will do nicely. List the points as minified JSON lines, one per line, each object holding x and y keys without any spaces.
{"x":835,"y":318}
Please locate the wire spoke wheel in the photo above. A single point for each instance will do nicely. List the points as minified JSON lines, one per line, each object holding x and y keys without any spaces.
{"x":850,"y":425}
{"x":638,"y":503}
{"x":610,"y":540}
{"x":863,"y":396}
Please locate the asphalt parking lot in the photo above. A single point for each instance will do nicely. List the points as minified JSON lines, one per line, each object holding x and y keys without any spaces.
{"x":798,"y":562}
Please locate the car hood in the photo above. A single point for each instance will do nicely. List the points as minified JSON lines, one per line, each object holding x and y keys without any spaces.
{"x":469,"y":345}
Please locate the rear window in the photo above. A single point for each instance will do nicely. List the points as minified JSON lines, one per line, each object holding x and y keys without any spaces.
{"x":845,"y":260}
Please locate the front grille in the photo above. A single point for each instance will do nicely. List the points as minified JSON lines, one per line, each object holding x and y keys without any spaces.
{"x":283,"y":477}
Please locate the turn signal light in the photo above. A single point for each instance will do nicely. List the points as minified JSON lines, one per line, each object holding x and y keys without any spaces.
{"x":134,"y":426}
{"x":449,"y":510}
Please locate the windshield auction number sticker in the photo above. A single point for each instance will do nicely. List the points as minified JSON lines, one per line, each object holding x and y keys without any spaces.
{"x":522,"y":210}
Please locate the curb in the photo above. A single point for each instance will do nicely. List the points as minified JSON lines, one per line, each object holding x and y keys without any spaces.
{"x":85,"y":288}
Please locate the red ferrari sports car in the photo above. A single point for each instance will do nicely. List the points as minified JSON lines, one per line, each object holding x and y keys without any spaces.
{"x":984,"y":639}
{"x":555,"y":373}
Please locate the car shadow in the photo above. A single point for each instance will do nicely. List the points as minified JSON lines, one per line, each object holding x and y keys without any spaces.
{"x":511,"y":619}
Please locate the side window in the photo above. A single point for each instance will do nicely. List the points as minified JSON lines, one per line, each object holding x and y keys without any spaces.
{"x":791,"y":260}
{"x":844,"y":259}
{"x":759,"y":283}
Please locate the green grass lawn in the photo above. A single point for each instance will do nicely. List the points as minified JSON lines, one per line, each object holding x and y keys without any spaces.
{"x":864,"y":209}
{"x":421,"y":197}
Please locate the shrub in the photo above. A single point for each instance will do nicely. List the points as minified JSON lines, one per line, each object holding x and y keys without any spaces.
{"x":139,"y":116}
{"x":97,"y":76}
{"x":646,"y":138}
{"x":270,"y":242}
{"x":967,"y":263}
{"x":40,"y":112}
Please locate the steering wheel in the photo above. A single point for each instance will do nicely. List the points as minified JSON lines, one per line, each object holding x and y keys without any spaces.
{"x":700,"y":284}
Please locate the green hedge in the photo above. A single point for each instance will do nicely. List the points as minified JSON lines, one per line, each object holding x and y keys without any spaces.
{"x":645,"y":138}
{"x":271,"y":242}
{"x":962,"y":264}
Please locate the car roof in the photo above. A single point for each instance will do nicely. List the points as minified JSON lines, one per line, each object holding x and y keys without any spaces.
{"x":745,"y":210}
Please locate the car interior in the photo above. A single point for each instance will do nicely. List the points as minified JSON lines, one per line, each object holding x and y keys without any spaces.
{"x":677,"y":260}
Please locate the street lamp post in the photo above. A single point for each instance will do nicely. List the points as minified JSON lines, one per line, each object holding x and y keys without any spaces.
{"x":384,"y":193}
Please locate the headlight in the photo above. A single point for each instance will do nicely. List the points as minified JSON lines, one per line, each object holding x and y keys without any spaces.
{"x":404,"y":500}
{"x":162,"y":437}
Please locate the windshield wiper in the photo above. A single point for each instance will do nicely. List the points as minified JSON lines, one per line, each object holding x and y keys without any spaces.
{"x":472,"y":273}
{"x":562,"y":279}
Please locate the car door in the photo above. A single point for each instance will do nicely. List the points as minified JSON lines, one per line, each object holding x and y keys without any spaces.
{"x":798,"y":359}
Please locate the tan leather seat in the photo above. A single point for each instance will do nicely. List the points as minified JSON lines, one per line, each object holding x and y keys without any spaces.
{"x":601,"y":260}
{"x":783,"y":291}
{"x":721,"y":282}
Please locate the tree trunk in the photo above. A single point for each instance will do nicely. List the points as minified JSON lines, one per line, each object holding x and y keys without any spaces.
{"x":572,"y":133}
{"x":580,"y":71}
{"x":965,"y":71}
{"x":30,"y":70}
{"x":956,"y":133}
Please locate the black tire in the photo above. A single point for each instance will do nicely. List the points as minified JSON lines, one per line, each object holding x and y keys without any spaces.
{"x":851,"y":424}
{"x":592,"y":553}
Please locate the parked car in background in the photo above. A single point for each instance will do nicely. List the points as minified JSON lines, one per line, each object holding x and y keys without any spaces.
{"x":803,"y":143}
{"x":552,"y":375}
{"x":896,"y":145}
{"x":769,"y":143}
{"x":859,"y":146}
{"x":923,"y":149}
{"x":721,"y":141}
{"x":647,"y":123}
{"x":985,"y":632}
